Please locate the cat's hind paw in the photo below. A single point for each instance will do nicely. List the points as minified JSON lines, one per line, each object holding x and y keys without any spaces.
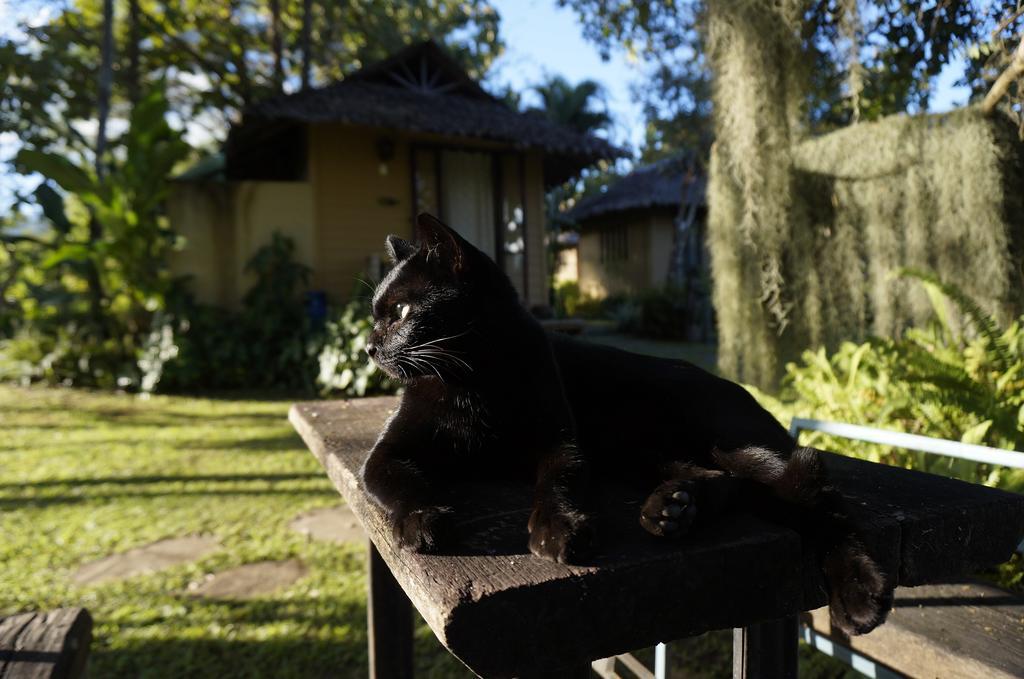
{"x":421,"y":530}
{"x":670,"y":510}
{"x":860,"y":596}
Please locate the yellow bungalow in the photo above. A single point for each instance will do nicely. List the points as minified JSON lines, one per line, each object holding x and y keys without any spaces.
{"x":626,"y":232}
{"x":337,"y":168}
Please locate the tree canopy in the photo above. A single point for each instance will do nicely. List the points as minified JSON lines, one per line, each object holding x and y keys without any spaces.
{"x":216,"y":56}
{"x":863,"y":59}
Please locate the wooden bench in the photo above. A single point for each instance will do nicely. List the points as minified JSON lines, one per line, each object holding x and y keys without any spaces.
{"x":954,"y":631}
{"x":504,"y":612}
{"x":50,"y":645}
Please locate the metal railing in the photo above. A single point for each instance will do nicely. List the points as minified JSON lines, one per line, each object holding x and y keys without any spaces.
{"x":924,"y":444}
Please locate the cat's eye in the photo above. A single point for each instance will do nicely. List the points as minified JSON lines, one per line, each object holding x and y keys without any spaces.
{"x":402,"y":310}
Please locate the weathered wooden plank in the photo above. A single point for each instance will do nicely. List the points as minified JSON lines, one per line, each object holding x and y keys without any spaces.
{"x":389,"y":619}
{"x":504,"y":612}
{"x":959,"y":631}
{"x":947,"y":528}
{"x":45,"y":645}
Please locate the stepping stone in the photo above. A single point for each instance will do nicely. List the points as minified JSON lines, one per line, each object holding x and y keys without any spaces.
{"x":331,"y":524}
{"x":147,"y":559}
{"x":249,"y":581}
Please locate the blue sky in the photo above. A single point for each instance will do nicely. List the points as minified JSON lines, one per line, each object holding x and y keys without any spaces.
{"x":542,"y":39}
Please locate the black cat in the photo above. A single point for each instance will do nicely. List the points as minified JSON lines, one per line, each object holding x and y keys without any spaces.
{"x":487,"y":390}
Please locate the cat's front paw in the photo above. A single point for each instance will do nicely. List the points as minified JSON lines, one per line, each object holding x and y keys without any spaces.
{"x":560,"y":535}
{"x":860,"y":596}
{"x":670,"y":510}
{"x":421,"y":530}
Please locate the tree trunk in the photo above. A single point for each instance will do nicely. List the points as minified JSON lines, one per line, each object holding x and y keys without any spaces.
{"x":106,"y":77}
{"x":276,"y":44}
{"x":1013,"y":72}
{"x":681,"y":225}
{"x":96,"y":294}
{"x":134,"y":84}
{"x":241,"y":65}
{"x":307,"y":20}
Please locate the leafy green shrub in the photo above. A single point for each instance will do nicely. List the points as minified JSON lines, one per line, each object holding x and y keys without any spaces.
{"x":596,"y":309}
{"x":570,"y":302}
{"x":344,"y":367}
{"x":936,"y":381}
{"x":660,"y":313}
{"x":567,"y":297}
{"x":269,"y":343}
{"x":68,"y":353}
{"x":82,"y":295}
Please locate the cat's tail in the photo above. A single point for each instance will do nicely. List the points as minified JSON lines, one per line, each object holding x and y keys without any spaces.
{"x":860,"y":593}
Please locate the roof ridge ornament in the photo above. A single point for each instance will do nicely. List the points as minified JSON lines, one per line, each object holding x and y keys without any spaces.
{"x":428,"y":80}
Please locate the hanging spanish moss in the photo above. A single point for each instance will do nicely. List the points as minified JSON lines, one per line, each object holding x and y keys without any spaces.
{"x":754,"y":48}
{"x":937,"y":192}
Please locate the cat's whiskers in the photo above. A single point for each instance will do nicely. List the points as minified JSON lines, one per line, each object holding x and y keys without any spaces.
{"x":434,"y":342}
{"x":431,"y":356}
{"x":401,"y":368}
{"x":422,"y":363}
{"x":372,"y":287}
{"x":433,"y":367}
{"x":445,"y":356}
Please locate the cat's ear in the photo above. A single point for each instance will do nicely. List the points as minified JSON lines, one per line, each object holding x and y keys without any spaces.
{"x":398,"y":249}
{"x":441,"y":242}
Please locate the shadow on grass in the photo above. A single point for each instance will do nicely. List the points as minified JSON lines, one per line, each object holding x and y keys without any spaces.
{"x":15,"y":503}
{"x":314,"y":613}
{"x":332,"y":642}
{"x":322,"y":638}
{"x":262,"y":395}
{"x":275,"y":657}
{"x":141,"y":416}
{"x":289,"y":441}
{"x":142,"y":480}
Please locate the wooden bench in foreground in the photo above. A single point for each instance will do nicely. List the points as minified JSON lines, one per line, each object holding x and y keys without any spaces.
{"x":504,"y":612}
{"x":45,"y":645}
{"x":955,"y":631}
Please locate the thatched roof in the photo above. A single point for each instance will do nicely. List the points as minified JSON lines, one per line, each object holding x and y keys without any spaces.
{"x":658,"y":185}
{"x":422,"y":89}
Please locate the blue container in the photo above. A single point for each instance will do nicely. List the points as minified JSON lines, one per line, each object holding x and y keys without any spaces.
{"x":316,"y":307}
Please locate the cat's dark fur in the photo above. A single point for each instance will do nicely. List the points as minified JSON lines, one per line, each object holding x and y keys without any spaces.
{"x":489,"y":393}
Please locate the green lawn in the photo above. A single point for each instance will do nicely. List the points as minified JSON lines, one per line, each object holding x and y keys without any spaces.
{"x":84,"y":475}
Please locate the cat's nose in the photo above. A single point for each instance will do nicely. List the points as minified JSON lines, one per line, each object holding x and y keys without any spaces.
{"x":371,"y":349}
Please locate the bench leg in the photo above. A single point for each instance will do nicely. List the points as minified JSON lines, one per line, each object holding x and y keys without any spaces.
{"x":389,"y":623}
{"x":767,"y":650}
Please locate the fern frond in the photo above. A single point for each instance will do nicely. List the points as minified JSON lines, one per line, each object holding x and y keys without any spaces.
{"x":986,"y":324}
